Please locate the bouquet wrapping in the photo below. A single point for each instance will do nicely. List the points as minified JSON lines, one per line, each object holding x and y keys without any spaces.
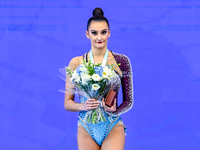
{"x":92,"y":81}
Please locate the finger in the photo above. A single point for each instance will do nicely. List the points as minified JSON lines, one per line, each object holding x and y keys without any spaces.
{"x":92,"y":104}
{"x":91,"y":107}
{"x":92,"y":101}
{"x":115,"y":102}
{"x":103,"y":102}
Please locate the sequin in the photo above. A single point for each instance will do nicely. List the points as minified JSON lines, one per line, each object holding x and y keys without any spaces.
{"x":100,"y":130}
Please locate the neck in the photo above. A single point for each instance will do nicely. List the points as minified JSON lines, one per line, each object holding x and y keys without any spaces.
{"x":99,"y":52}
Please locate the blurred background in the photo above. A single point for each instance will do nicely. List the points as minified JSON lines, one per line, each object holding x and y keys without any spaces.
{"x":162,"y":40}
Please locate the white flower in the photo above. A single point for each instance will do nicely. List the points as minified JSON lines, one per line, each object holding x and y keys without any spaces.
{"x":84,"y":70}
{"x":95,"y":87}
{"x":108,"y":73}
{"x":85,"y":78}
{"x":75,"y":77}
{"x":105,"y":74}
{"x":96,"y":77}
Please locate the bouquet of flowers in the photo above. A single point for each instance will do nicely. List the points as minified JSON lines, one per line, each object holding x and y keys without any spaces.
{"x":93,"y":81}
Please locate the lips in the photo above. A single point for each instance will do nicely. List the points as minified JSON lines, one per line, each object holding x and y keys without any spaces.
{"x":99,"y":42}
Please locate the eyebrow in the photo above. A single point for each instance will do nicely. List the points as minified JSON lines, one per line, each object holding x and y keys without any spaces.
{"x":101,"y":30}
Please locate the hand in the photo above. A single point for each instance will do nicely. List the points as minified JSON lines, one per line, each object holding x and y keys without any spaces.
{"x":109,"y":109}
{"x":90,"y":104}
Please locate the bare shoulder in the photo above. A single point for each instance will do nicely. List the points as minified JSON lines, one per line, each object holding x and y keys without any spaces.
{"x":75,"y":62}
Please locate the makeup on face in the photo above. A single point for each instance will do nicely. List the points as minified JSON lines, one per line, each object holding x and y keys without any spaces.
{"x":103,"y":32}
{"x":98,"y":34}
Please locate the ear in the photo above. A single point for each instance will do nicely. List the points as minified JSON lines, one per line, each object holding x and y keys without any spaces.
{"x":87,"y":34}
{"x":109,"y":33}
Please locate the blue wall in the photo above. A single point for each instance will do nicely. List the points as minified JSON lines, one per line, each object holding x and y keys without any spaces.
{"x":162,"y":39}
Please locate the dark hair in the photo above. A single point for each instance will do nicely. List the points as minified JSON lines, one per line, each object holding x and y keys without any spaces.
{"x":98,"y":15}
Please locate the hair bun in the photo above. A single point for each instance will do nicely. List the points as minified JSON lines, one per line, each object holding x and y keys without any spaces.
{"x":97,"y":12}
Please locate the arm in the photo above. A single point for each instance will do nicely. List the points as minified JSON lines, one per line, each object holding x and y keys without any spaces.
{"x":69,"y":103}
{"x":127,"y":86}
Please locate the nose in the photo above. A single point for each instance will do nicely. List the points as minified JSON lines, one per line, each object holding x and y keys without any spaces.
{"x":99,"y":38}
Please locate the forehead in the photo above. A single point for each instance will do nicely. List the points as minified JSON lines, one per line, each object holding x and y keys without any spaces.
{"x":98,"y":25}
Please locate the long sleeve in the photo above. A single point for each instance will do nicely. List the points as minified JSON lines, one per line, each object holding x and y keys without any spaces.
{"x":127,"y":84}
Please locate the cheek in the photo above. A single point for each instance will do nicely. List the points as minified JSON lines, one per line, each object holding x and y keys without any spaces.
{"x":93,"y":39}
{"x":106,"y":38}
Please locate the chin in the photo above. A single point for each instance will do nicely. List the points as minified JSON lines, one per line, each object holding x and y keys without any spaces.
{"x":100,"y":46}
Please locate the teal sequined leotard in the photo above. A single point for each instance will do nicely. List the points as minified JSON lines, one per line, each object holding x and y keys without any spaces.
{"x":99,"y":131}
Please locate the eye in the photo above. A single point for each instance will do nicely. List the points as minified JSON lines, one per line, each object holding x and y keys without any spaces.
{"x":104,"y":32}
{"x":94,"y":32}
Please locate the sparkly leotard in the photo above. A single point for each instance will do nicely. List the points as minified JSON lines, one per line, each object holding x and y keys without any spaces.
{"x":99,"y":131}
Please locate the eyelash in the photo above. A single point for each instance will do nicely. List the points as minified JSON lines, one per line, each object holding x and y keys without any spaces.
{"x":104,"y":32}
{"x":95,"y":33}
